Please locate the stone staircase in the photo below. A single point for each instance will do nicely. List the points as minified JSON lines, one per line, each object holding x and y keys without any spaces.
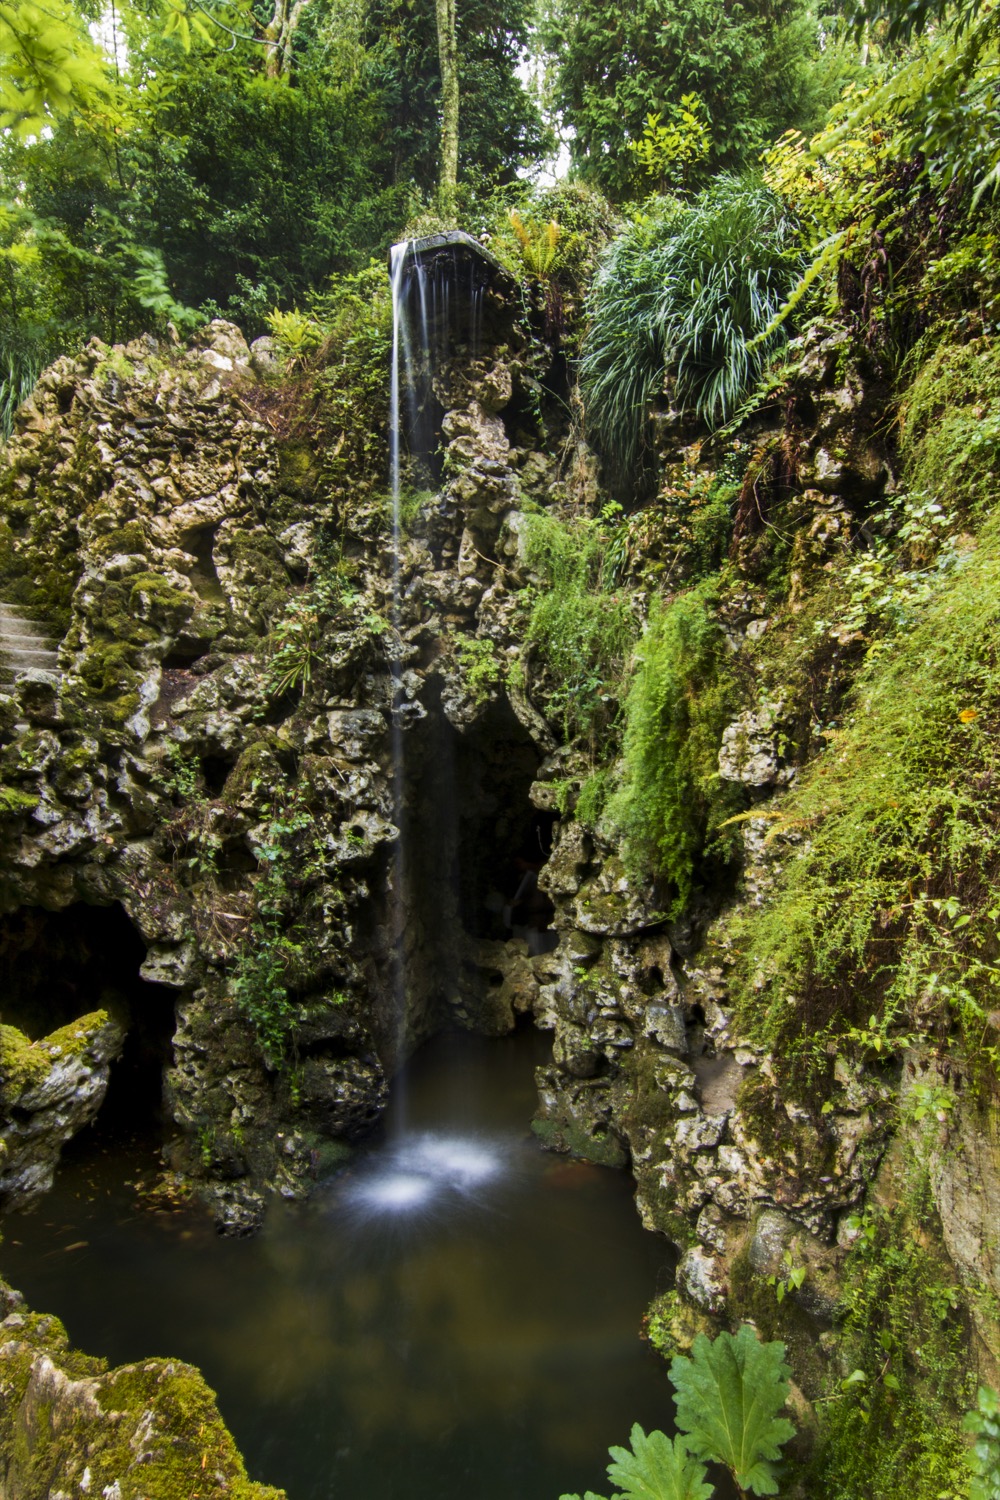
{"x":25,"y":646}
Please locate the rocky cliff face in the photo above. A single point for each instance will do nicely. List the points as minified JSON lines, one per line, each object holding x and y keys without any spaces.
{"x":242,"y":815}
{"x":240,"y":725}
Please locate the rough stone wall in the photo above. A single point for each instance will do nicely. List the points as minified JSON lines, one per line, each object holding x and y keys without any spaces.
{"x":164,"y":529}
{"x":163,"y":532}
{"x":649,"y":1064}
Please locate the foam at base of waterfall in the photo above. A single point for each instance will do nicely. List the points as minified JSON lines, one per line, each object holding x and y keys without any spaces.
{"x":412,"y":1173}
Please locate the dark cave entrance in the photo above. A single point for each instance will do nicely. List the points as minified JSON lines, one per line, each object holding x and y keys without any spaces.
{"x":470,"y":830}
{"x":56,"y":966}
{"x":503,"y":841}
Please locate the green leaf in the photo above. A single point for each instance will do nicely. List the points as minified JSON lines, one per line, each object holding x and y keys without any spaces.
{"x":658,"y":1469}
{"x":728,"y":1396}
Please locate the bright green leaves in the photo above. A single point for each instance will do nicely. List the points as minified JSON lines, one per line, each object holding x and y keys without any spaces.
{"x":671,"y":805}
{"x":658,"y":1469}
{"x":728,"y":1396}
{"x":984,"y":1423}
{"x":671,"y":152}
{"x":582,"y":626}
{"x":49,"y":65}
{"x":181,"y":21}
{"x":690,"y":292}
{"x":655,"y":1469}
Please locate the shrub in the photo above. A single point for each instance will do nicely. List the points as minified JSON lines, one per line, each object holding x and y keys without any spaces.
{"x":687,"y":291}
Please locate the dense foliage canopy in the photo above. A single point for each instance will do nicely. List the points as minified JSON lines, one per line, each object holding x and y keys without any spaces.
{"x":753,"y":64}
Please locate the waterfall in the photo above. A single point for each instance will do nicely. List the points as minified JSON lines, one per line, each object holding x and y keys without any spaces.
{"x":438,"y":291}
{"x":400,"y":347}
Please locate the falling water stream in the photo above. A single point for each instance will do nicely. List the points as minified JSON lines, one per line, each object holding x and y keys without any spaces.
{"x":400,"y":359}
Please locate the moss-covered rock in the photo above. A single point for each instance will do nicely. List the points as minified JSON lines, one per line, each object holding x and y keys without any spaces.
{"x":68,"y":1424}
{"x":49,"y":1089}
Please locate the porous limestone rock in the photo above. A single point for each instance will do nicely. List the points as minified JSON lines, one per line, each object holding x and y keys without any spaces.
{"x":49,"y":1090}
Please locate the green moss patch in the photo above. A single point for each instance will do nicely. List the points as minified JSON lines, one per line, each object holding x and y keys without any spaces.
{"x":884,"y":923}
{"x":23,"y":1063}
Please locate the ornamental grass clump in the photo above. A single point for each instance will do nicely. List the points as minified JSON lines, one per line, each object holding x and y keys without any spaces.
{"x":687,"y":292}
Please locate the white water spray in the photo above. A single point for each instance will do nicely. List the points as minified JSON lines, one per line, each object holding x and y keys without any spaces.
{"x":424,"y":1170}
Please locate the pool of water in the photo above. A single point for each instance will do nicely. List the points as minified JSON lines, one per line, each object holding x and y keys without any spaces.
{"x":455,"y":1313}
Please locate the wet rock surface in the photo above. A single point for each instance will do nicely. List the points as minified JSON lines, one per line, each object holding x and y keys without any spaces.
{"x":279,"y":829}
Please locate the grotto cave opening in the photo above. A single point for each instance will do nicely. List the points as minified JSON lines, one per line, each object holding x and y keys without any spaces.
{"x":474,"y":847}
{"x":57,"y":966}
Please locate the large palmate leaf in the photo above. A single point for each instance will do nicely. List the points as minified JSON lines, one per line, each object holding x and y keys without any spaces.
{"x":655,"y":1469}
{"x":728,"y":1396}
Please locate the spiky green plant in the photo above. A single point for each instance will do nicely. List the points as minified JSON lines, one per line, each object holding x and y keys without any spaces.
{"x":17,"y":381}
{"x":686,"y":292}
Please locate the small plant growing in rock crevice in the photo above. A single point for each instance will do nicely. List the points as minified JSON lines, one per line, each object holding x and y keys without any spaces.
{"x":260,"y":983}
{"x":295,"y":639}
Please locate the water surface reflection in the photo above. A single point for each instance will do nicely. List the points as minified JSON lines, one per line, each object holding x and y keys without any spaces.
{"x":454,"y":1313}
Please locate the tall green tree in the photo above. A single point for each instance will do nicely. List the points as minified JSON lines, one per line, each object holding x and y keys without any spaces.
{"x":501,"y":127}
{"x":447,"y":36}
{"x":49,"y":65}
{"x":750,"y":61}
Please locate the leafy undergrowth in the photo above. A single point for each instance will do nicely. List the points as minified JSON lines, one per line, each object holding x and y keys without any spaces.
{"x":891,"y":1426}
{"x":729,"y":1396}
{"x":885,"y":924}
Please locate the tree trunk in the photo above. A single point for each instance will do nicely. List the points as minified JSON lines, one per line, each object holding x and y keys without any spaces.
{"x":448,"y":58}
{"x":278,"y":35}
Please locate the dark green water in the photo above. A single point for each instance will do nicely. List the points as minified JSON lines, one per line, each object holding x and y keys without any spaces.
{"x":454,"y":1316}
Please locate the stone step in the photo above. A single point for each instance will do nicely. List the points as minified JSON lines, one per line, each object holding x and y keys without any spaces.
{"x":25,"y":645}
{"x":19,"y":657}
{"x":26,"y":642}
